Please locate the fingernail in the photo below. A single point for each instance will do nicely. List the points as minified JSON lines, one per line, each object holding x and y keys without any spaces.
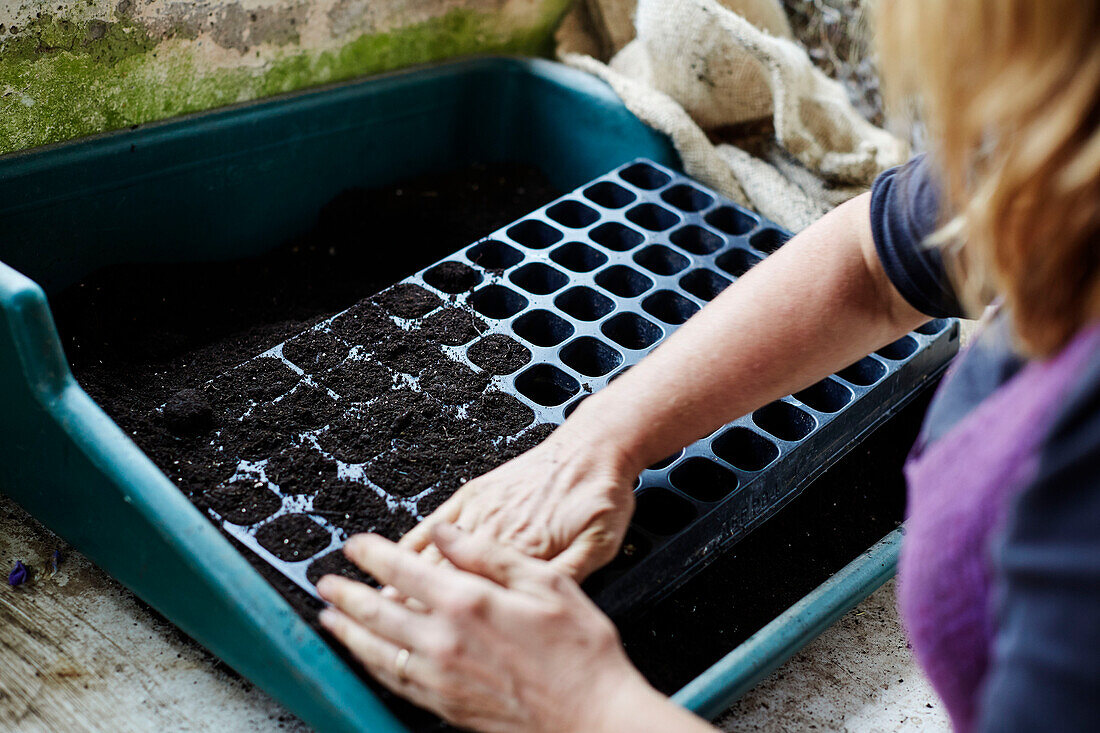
{"x":324,"y":586}
{"x":327,"y":617}
{"x":390,"y":592}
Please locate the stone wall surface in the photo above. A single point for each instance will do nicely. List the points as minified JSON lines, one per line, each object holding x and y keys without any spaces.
{"x":75,"y":67}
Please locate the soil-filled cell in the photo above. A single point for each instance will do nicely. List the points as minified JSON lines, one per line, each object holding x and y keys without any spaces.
{"x":335,"y":562}
{"x":355,"y":508}
{"x":258,"y":380}
{"x":300,"y":469}
{"x":316,"y":350}
{"x":406,"y":300}
{"x":244,"y":502}
{"x":500,"y":414}
{"x":305,"y":408}
{"x":452,"y":327}
{"x":363,"y":323}
{"x":453,"y":277}
{"x":401,"y":413}
{"x":499,"y":354}
{"x":359,"y":380}
{"x":452,"y":383}
{"x":293,"y":537}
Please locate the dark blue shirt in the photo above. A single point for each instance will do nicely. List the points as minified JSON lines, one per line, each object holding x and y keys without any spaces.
{"x":1045,"y":671}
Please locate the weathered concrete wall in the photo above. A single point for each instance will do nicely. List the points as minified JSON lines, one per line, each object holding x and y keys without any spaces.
{"x":75,"y":67}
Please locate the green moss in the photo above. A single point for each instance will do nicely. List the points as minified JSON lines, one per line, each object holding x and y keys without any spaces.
{"x":62,"y":80}
{"x":101,"y":41}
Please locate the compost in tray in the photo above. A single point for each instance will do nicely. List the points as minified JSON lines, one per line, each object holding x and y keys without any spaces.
{"x":372,"y":418}
{"x":365,"y":422}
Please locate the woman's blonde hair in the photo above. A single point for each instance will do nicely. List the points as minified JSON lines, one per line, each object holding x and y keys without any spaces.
{"x":1010,"y":91}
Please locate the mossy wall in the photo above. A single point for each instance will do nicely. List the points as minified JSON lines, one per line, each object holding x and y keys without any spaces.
{"x":75,"y":67}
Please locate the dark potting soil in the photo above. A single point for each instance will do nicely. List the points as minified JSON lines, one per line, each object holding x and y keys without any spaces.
{"x":139,"y":336}
{"x":499,"y":354}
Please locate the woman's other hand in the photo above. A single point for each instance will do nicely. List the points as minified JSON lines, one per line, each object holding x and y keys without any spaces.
{"x":498,"y":642}
{"x":568,"y":500}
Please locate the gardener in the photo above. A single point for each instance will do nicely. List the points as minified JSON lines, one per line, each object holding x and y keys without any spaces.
{"x":1000,"y":573}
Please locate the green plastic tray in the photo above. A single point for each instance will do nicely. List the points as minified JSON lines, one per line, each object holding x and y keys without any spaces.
{"x":236,"y":182}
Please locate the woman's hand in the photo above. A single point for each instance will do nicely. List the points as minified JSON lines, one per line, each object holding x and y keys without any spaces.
{"x":499,"y":642}
{"x":568,"y":500}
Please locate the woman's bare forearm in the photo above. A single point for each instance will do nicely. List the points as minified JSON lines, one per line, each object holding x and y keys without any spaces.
{"x":818,"y":304}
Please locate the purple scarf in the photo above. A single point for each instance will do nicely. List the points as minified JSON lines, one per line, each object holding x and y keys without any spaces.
{"x":960,"y":490}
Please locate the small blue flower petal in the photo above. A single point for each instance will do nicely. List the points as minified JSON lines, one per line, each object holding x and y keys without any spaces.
{"x":19,"y":574}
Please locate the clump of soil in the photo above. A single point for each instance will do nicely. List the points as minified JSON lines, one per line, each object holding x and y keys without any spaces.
{"x":188,"y":412}
{"x":499,"y":354}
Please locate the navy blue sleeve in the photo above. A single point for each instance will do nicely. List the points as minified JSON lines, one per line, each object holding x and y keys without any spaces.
{"x":1045,"y":672}
{"x":905,"y":209}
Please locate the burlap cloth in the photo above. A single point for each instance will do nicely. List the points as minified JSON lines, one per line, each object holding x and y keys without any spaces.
{"x":701,"y":71}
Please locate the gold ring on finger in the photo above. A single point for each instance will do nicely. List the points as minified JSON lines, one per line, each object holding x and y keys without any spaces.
{"x":401,"y":664}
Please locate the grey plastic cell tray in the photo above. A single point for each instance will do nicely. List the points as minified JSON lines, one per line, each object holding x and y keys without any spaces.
{"x":590,"y":284}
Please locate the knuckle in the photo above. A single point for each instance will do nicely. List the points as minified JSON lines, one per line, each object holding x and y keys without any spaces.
{"x":447,"y":649}
{"x":468,"y":604}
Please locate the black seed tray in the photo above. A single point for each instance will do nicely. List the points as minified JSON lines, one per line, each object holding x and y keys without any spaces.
{"x":590,"y":284}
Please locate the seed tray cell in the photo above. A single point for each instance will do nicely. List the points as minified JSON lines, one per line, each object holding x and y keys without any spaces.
{"x":577,"y":292}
